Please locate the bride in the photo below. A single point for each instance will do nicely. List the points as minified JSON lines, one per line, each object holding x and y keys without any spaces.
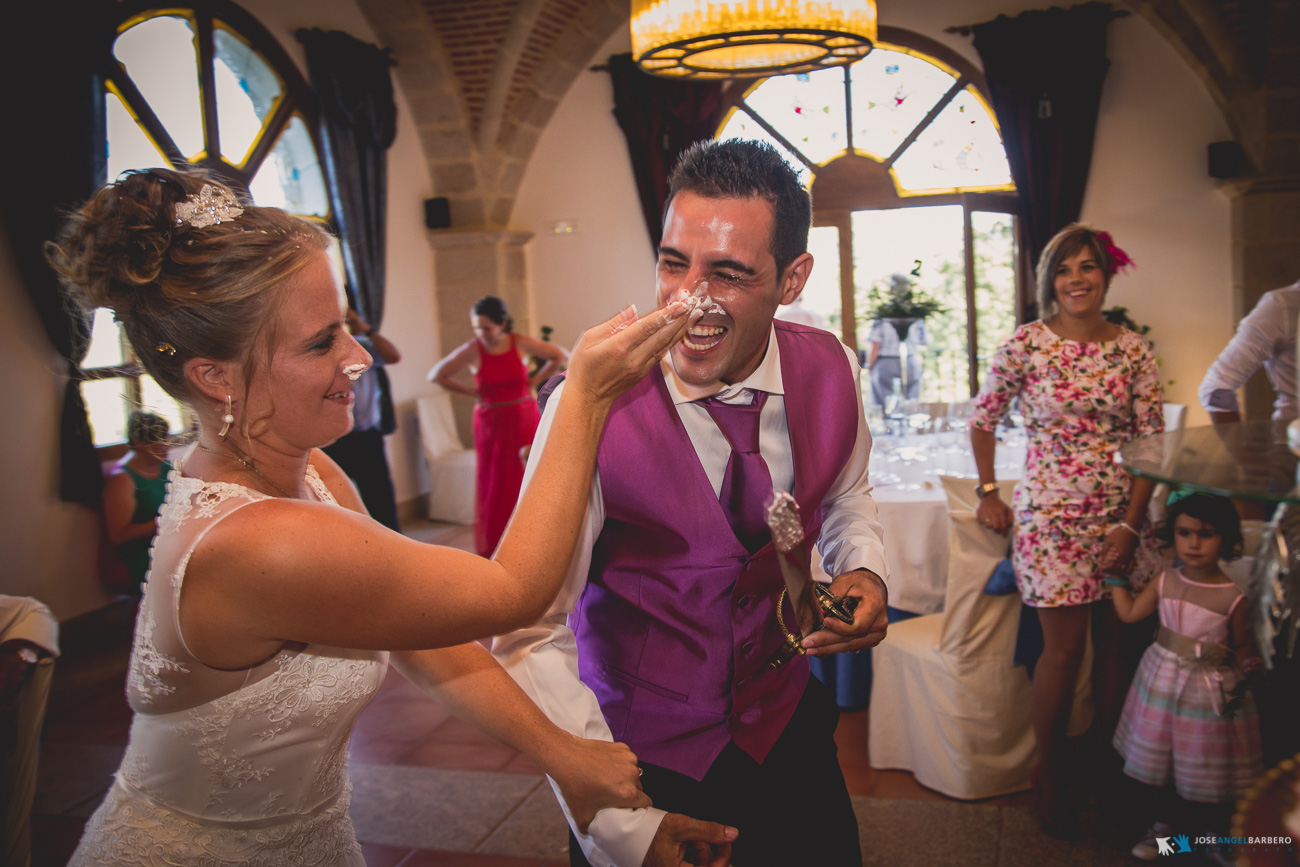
{"x":273,"y":598}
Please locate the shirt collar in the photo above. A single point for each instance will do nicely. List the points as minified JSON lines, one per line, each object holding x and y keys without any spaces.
{"x":767,"y":377}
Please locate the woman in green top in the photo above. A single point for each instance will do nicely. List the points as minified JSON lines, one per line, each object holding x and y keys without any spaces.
{"x":135,"y":490}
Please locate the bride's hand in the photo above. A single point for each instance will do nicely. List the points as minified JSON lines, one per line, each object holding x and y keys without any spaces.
{"x":593,"y":775}
{"x":612,"y":357}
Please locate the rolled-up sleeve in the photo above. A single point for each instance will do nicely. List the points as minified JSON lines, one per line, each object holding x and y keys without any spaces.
{"x":1254,"y":343}
{"x":851,"y":535}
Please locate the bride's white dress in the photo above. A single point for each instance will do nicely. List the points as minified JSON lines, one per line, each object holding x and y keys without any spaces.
{"x":229,"y":767}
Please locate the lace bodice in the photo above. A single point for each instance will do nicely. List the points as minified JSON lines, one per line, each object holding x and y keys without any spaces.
{"x":234,"y":745}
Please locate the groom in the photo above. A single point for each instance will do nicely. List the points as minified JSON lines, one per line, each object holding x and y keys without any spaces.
{"x":663,"y":633}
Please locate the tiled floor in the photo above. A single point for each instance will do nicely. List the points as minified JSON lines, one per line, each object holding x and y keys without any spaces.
{"x":431,"y":790}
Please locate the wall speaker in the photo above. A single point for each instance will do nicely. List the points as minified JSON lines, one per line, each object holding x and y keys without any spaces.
{"x":1226,"y":159}
{"x":437,"y":213}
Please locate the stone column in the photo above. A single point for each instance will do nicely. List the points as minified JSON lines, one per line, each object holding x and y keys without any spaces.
{"x":467,"y":266}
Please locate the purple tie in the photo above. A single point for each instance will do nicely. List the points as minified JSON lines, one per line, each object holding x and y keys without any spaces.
{"x":747,"y":484}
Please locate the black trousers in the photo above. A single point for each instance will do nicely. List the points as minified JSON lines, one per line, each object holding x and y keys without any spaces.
{"x":361,"y":455}
{"x":792,"y":809}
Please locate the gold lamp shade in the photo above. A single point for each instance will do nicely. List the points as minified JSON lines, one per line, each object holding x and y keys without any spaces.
{"x":749,"y":38}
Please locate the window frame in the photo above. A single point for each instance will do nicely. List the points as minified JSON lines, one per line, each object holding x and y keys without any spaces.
{"x":856,"y":181}
{"x":297,"y":99}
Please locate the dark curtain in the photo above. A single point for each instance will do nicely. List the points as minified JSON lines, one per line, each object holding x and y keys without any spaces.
{"x":1045,"y":70}
{"x":54,"y":158}
{"x":661,"y":117}
{"x":358,"y":121}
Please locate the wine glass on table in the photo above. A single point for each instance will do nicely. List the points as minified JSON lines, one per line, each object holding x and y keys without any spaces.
{"x":894,"y":407}
{"x":884,"y":454}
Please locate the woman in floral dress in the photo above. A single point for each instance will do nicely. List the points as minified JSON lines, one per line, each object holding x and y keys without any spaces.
{"x":1086,"y":386}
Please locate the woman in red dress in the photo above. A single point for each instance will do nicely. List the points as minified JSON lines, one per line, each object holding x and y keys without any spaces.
{"x":506,"y":416}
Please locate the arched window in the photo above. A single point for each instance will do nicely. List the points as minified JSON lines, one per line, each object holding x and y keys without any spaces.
{"x":908,"y":176}
{"x":198,"y":86}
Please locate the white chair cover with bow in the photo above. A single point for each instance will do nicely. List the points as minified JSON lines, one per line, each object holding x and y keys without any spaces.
{"x":947,"y":702}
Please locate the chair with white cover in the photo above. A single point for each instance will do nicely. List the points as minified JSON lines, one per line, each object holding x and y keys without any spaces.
{"x":1175,"y":416}
{"x":28,"y":621}
{"x":947,"y":701}
{"x":18,"y":769}
{"x":451,"y":465}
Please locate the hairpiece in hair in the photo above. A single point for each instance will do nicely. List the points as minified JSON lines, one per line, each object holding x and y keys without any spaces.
{"x":1119,"y":260}
{"x":1180,"y":494}
{"x":164,"y":346}
{"x":208,"y":207}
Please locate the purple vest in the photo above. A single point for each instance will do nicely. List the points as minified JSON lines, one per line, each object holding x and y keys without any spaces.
{"x":678,"y":620}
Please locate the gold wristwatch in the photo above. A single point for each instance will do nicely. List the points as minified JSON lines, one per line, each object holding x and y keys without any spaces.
{"x":985,"y":489}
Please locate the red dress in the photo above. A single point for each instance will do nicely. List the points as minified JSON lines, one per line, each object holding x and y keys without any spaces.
{"x":505,"y":421}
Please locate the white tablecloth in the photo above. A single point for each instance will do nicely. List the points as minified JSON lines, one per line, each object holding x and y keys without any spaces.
{"x":914,"y":513}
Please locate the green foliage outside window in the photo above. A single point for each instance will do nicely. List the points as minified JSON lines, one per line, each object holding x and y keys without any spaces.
{"x":945,"y":362}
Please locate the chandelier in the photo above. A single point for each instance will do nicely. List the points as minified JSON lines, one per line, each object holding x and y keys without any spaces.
{"x":749,"y":38}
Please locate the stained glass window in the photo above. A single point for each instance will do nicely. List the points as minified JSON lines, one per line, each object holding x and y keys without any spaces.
{"x":913,"y":131}
{"x":291,"y":178}
{"x":891,"y":93}
{"x":158,"y":55}
{"x":960,"y":150}
{"x":248,"y":89}
{"x":807,"y":110}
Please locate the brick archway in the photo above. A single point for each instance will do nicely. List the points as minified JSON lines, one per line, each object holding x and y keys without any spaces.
{"x":484,"y":77}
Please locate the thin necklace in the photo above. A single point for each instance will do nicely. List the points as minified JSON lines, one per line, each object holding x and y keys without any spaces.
{"x":249,"y":466}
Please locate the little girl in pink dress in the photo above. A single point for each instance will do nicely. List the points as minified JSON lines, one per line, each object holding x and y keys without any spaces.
{"x":1186,"y":721}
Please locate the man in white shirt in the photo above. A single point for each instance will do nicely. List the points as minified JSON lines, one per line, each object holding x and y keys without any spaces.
{"x":665,"y":631}
{"x":1266,"y":336}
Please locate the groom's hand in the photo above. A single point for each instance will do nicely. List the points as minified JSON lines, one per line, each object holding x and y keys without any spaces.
{"x":869,"y":618}
{"x":682,"y":841}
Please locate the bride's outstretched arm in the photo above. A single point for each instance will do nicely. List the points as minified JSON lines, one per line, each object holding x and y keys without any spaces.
{"x":288,"y":570}
{"x":469,"y":682}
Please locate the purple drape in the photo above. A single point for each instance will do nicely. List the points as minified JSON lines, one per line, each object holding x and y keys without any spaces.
{"x":660,"y":118}
{"x":1045,"y":70}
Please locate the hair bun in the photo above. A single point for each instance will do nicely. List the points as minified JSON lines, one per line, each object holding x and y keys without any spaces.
{"x":118,"y":244}
{"x":201,"y":289}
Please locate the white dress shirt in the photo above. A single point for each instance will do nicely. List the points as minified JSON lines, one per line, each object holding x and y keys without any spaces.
{"x":1266,"y":336}
{"x":543,"y":658}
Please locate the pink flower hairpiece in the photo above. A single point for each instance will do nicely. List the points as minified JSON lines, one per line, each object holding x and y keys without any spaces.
{"x":1119,"y":260}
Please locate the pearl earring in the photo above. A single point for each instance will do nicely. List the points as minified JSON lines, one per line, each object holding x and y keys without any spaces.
{"x":228,"y":418}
